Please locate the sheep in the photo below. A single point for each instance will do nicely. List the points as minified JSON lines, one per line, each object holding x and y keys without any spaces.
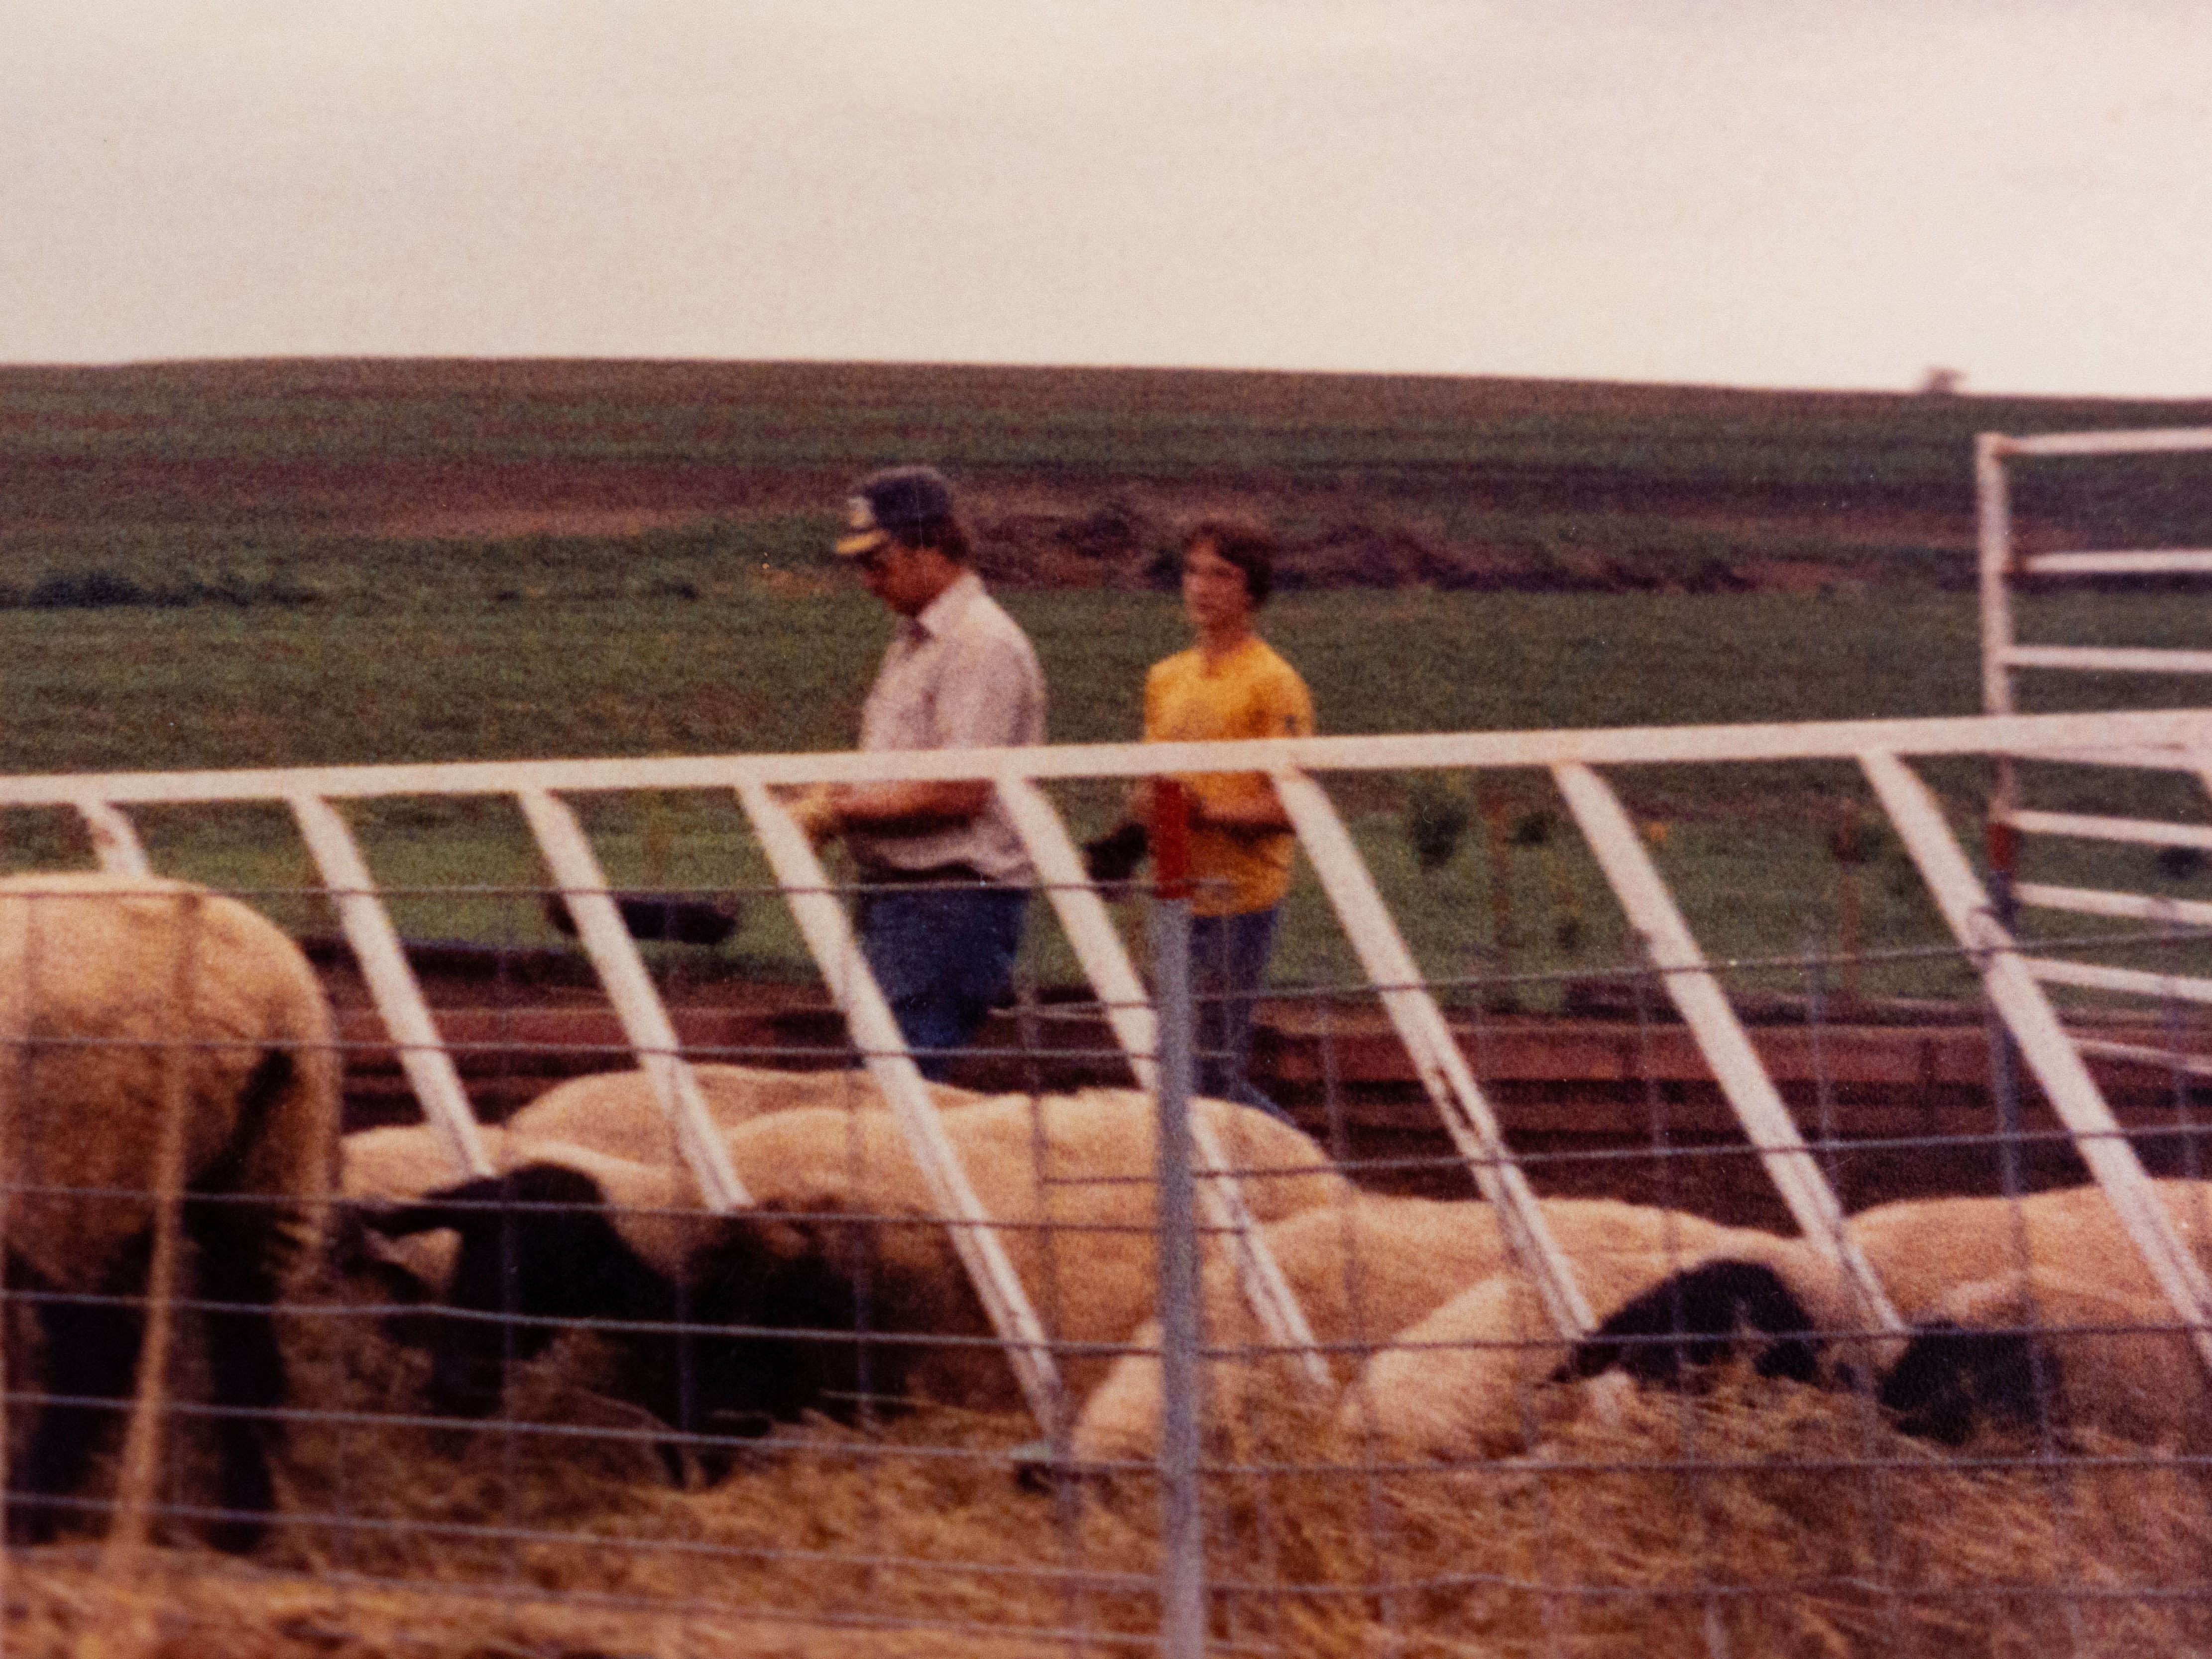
{"x":120,"y":995}
{"x":1071,"y":1177}
{"x":615,"y":1113}
{"x":378,"y":1169}
{"x":1362,"y":1272}
{"x":1470,"y":1380}
{"x":1946,"y":1263}
{"x":1989,"y":1282}
{"x":566,"y":1234}
{"x":2042,"y":1348}
{"x":842,"y":1237}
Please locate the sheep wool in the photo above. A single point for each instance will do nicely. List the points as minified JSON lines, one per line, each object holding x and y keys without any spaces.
{"x":126,"y":1000}
{"x":90,"y":965}
{"x":1362,"y":1271}
{"x":1923,"y":1248}
{"x":1070,"y":1178}
{"x":617,"y":1112}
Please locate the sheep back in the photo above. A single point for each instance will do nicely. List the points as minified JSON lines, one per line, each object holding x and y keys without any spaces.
{"x":1363,"y":1271}
{"x":88,"y":966}
{"x":617,"y":1112}
{"x":1922,"y":1249}
{"x":1069,"y":1177}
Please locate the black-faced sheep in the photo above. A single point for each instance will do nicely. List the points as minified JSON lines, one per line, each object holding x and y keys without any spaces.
{"x":1363,"y":1271}
{"x":1486,"y":1372}
{"x":2050,"y":1290}
{"x":120,"y":996}
{"x":842,"y":1280}
{"x":2042,"y":1349}
{"x":1995,"y":1290}
{"x":569,"y":1236}
{"x":614,"y":1113}
{"x":380,"y":1169}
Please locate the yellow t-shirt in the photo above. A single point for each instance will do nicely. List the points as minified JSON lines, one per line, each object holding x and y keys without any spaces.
{"x":1251,"y":693}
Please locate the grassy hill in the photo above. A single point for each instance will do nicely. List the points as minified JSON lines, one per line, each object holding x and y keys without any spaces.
{"x":233,"y":564}
{"x":284,"y":480}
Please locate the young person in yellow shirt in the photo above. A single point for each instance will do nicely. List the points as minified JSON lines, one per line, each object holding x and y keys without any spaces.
{"x":1229,"y":684}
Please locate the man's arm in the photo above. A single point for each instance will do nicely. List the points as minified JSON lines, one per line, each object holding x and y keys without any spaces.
{"x":901,"y":808}
{"x":979,"y":707}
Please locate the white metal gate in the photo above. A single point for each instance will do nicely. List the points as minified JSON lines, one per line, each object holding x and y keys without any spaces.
{"x":1882,"y":748}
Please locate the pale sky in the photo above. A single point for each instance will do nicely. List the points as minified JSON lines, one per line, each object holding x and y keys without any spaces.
{"x":1765,"y":192}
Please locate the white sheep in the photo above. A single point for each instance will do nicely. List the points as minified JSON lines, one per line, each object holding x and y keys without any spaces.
{"x":1363,"y":1271}
{"x":618,"y":1113}
{"x":120,"y":995}
{"x":1923,"y":1248}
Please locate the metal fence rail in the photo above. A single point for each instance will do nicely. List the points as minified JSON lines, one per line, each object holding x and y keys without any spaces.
{"x":1314,"y":1509}
{"x":538,"y":785}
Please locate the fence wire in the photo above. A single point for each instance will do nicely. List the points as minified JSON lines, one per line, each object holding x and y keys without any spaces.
{"x":566,"y":1408}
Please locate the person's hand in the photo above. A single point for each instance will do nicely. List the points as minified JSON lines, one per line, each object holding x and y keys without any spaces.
{"x":816,"y":814}
{"x":1114,"y":855}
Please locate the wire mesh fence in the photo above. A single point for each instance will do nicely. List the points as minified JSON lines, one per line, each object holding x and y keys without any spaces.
{"x":565,"y":1405}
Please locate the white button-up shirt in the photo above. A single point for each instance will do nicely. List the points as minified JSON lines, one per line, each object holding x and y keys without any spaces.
{"x":962,"y":675}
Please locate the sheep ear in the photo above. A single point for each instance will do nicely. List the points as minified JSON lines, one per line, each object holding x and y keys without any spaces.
{"x":466,"y":1205}
{"x":449,"y":1206}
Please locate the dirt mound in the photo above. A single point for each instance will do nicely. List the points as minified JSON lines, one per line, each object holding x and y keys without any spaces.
{"x":1124,"y":548}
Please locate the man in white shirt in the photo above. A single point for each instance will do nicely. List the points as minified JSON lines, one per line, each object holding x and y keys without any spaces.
{"x":946,"y":877}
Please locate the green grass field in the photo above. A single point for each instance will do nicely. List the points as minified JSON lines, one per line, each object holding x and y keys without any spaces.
{"x":338,"y":481}
{"x":137,"y":689}
{"x":213,"y":565}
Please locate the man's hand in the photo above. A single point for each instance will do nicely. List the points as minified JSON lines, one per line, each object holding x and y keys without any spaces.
{"x":817,"y":814}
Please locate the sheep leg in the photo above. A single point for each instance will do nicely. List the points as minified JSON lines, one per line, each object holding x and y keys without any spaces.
{"x":92,"y":1356}
{"x":245,"y":1368}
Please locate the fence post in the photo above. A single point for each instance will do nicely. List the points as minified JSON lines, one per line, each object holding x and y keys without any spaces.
{"x":2004,"y":846}
{"x":1182,"y":1564}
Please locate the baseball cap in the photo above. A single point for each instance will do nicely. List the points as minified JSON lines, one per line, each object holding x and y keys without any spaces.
{"x":891,"y":502}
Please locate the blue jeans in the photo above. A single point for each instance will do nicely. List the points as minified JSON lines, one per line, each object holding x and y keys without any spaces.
{"x":943,"y":956}
{"x":1227,"y":964}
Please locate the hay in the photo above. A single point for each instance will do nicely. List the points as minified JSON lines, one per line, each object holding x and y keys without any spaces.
{"x":1760,"y":1518}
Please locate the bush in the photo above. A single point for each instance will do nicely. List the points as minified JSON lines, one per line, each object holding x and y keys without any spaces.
{"x":1436,"y":816}
{"x":102,"y":589}
{"x":85,"y":590}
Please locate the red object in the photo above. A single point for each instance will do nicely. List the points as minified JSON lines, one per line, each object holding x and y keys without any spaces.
{"x":1171,"y":831}
{"x":2001,"y":842}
